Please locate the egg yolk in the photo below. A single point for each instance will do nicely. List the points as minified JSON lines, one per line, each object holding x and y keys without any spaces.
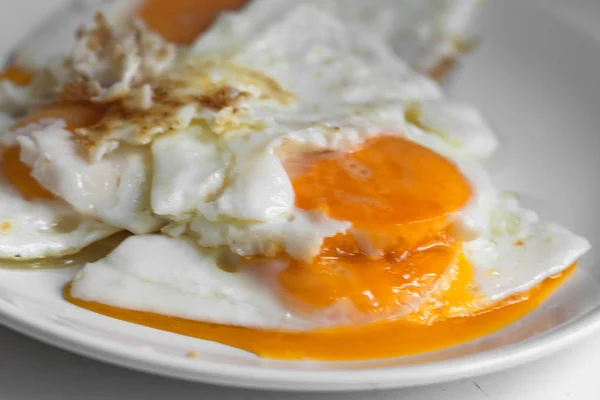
{"x":376,"y":288}
{"x":401,"y":199}
{"x":181,"y":21}
{"x":75,"y":115}
{"x":396,"y":193}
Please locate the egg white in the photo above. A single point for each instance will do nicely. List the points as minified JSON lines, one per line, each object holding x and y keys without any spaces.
{"x":32,"y":229}
{"x":422,"y":32}
{"x":54,"y":37}
{"x":176,"y":277}
{"x":518,"y":250}
{"x":114,"y":190}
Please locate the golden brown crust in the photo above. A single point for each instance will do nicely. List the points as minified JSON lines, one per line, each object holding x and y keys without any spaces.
{"x":178,"y":96}
{"x":221,"y":98}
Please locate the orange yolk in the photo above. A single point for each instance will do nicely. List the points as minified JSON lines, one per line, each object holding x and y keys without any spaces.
{"x":75,"y":115}
{"x":379,"y":287}
{"x":389,"y":181}
{"x":16,"y":75}
{"x":401,"y":197}
{"x":19,"y":175}
{"x":400,"y":272}
{"x":181,"y":21}
{"x":395,"y":191}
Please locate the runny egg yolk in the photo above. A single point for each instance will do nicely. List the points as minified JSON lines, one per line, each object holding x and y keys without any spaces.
{"x":401,"y":199}
{"x":181,"y":21}
{"x":384,"y":188}
{"x":75,"y":115}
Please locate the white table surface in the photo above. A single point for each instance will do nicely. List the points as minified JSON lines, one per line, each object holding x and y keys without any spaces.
{"x":32,"y":370}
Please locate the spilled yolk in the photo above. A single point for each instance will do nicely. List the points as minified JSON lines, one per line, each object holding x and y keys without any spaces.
{"x":383,"y":339}
{"x":75,"y":115}
{"x":181,"y":21}
{"x":399,"y":277}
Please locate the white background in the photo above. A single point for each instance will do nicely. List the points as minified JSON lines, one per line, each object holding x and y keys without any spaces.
{"x":31,"y":370}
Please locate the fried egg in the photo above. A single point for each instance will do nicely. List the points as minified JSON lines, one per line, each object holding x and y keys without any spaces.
{"x":337,"y":101}
{"x":430,"y":272}
{"x":303,"y":240}
{"x":236,"y":110}
{"x":291,"y":194}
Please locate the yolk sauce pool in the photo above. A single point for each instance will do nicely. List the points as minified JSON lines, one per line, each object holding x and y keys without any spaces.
{"x":378,"y":340}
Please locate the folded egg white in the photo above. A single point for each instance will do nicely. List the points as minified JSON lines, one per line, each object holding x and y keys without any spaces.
{"x":114,"y":190}
{"x":136,"y":276}
{"x":39,"y":228}
{"x":518,"y":250}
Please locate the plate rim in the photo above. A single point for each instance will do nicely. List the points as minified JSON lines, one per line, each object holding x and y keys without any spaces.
{"x":210,"y":372}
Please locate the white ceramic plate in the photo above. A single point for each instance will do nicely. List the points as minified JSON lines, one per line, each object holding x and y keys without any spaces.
{"x":535,"y":76}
